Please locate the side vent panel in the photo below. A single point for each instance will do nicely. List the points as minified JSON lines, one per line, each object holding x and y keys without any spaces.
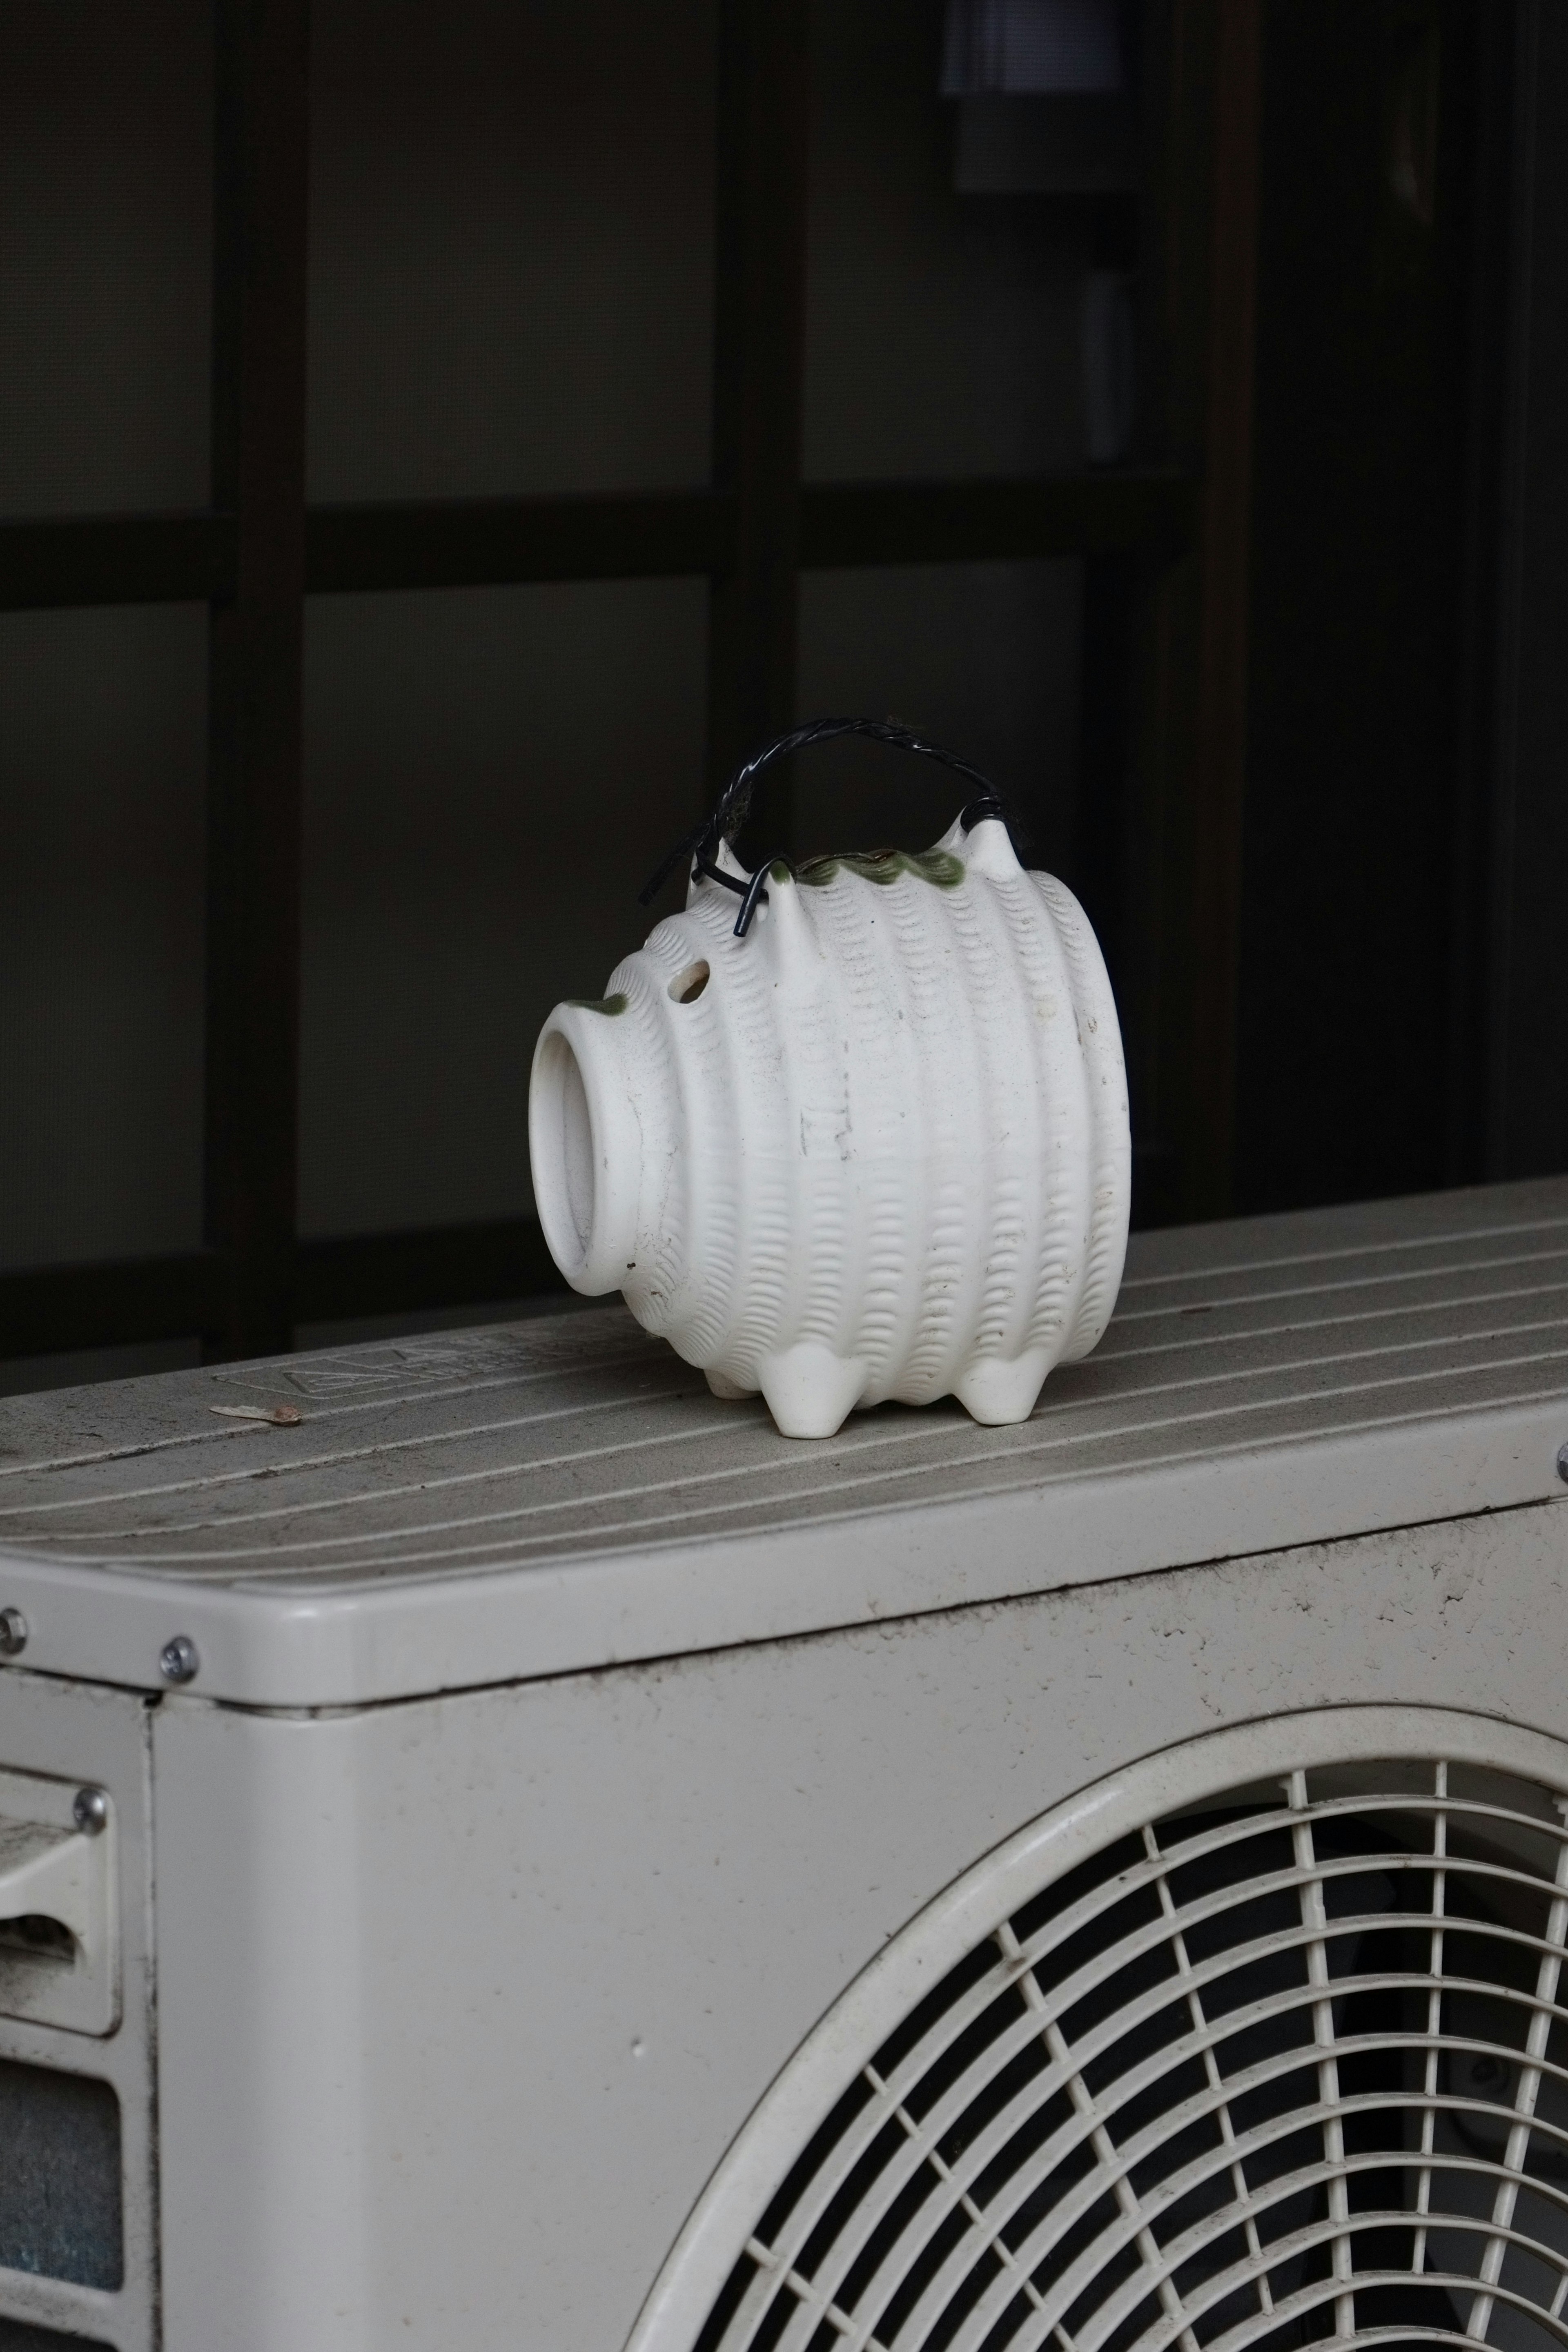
{"x":60,"y":2179}
{"x":59,"y":1957}
{"x":79,"y":2217}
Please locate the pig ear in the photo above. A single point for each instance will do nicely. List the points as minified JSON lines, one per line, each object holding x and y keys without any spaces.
{"x":724,"y":858}
{"x":788,"y":930}
{"x":985,"y":848}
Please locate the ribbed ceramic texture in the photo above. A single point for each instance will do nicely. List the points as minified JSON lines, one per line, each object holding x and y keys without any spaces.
{"x":881,"y":1153}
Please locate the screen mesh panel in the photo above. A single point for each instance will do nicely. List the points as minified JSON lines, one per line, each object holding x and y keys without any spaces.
{"x":103,"y":718}
{"x":942,"y":332}
{"x":512,"y":246}
{"x":59,"y":2177}
{"x":984,"y":656}
{"x":489,"y":776}
{"x":106,"y":231}
{"x":1291,"y":2066}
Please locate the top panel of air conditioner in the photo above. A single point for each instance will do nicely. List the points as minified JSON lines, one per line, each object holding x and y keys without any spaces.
{"x":564,"y":1492}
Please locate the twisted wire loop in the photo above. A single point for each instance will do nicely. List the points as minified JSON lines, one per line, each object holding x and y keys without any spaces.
{"x":1292,"y":2067}
{"x":700,"y":848}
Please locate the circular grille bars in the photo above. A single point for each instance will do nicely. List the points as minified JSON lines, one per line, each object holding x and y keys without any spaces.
{"x":1288,"y":2063}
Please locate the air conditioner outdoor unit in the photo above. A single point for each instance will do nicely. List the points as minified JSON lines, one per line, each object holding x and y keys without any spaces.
{"x":522,"y":1858}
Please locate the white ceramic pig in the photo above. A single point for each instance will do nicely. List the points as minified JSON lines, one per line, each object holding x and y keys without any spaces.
{"x":875,"y":1147}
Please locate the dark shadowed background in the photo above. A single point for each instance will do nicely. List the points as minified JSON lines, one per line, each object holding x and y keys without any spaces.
{"x":599,"y":387}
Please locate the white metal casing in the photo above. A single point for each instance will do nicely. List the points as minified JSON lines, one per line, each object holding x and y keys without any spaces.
{"x":500,"y":1873}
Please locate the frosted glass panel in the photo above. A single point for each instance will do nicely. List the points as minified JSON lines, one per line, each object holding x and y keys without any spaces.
{"x":102,"y":753}
{"x":943,"y":330}
{"x":983,"y":657}
{"x":512,"y":246}
{"x":490,"y":775}
{"x":105,"y":254}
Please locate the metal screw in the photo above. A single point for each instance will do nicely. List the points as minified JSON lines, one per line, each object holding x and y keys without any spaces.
{"x":90,"y":1810}
{"x":13,"y":1632}
{"x":179,"y":1661}
{"x":1562,"y":1472}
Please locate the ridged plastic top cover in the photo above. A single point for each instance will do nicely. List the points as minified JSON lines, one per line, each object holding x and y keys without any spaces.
{"x":561,"y":1493}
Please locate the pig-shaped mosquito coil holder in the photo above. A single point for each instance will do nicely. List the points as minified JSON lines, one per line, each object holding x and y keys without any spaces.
{"x":864,"y":1137}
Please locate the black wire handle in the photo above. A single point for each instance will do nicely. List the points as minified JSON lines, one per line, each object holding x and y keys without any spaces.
{"x":730,"y":810}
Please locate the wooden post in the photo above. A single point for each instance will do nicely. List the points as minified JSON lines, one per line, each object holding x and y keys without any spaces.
{"x":1184,"y":863}
{"x":254,"y":788}
{"x":758,"y":364}
{"x":1224,"y":554}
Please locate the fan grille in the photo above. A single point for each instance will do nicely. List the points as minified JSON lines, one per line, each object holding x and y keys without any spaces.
{"x":1290,"y":2066}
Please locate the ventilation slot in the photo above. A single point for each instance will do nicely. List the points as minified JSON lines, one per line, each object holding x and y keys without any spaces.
{"x":17,"y":2335}
{"x":59,"y":1944}
{"x":39,"y":1936}
{"x":1292,"y":2067}
{"x":687,"y":985}
{"x":59,"y":2177}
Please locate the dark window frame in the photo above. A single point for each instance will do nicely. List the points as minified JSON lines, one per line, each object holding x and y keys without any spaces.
{"x":1164,"y":540}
